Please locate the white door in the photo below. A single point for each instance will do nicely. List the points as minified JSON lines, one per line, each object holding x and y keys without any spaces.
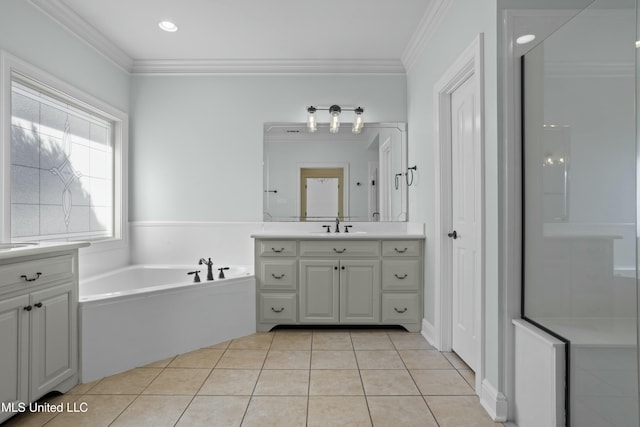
{"x":465,"y":140}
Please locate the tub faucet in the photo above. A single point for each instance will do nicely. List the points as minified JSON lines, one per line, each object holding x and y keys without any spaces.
{"x":209,"y":265}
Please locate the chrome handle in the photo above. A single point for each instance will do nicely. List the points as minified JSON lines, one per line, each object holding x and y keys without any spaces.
{"x":340,"y":251}
{"x":277,"y":311}
{"x":401,"y":251}
{"x":401,"y":278}
{"x":26,"y":279}
{"x":400,"y":310}
{"x":277,"y":250}
{"x":277,"y":277}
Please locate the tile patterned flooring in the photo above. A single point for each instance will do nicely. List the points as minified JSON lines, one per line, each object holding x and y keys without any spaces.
{"x":287,"y":377}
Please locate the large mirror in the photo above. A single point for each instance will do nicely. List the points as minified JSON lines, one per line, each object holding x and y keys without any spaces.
{"x":322,"y":176}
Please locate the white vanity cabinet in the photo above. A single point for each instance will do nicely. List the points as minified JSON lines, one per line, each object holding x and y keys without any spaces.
{"x":38,"y":326}
{"x":333,"y":281}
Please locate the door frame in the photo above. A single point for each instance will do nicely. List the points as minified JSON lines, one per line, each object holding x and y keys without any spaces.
{"x":345,"y":190}
{"x":468,"y":66}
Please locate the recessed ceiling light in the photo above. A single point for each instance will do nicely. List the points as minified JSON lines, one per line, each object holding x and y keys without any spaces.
{"x":527,"y":38}
{"x":168,"y":26}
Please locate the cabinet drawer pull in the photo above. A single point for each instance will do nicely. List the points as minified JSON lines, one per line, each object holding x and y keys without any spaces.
{"x":401,"y":251}
{"x":403,"y":310}
{"x":277,"y":277}
{"x":340,"y":251}
{"x":37,"y":305}
{"x":33,"y":279}
{"x":277,"y":250}
{"x":401,"y":277}
{"x":277,"y":311}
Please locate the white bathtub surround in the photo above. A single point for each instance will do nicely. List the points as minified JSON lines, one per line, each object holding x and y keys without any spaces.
{"x":133,"y":327}
{"x":539,"y":388}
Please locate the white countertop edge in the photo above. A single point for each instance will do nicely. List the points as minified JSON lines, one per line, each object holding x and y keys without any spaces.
{"x":41,"y":248}
{"x":333,"y":236}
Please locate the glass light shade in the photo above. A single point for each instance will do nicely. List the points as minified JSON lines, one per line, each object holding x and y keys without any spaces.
{"x":358,"y":122}
{"x":312,"y":123}
{"x":334,"y":123}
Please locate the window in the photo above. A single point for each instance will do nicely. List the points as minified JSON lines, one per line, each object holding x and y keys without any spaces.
{"x":66,"y":180}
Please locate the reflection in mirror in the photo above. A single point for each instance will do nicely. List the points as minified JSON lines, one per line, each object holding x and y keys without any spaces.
{"x":322,"y":175}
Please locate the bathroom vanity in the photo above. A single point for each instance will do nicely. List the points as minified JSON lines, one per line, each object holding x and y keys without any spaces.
{"x":38,"y":322}
{"x":339,"y":279}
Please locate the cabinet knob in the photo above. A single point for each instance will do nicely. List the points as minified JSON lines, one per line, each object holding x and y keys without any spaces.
{"x":335,"y":268}
{"x":342,"y":267}
{"x":400,"y":310}
{"x":28,"y":308}
{"x":37,"y":305}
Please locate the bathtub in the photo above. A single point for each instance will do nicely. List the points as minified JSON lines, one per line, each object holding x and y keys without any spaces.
{"x":143,"y":313}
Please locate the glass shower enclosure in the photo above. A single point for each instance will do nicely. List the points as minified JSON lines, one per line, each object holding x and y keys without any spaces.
{"x":580,"y":206}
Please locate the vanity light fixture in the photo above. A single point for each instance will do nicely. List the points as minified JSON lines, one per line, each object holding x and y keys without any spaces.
{"x":168,"y":26}
{"x":334,"y":118}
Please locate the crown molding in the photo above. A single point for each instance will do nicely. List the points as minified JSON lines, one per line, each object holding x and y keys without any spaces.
{"x":73,"y":23}
{"x":269,"y":66}
{"x":431,"y":20}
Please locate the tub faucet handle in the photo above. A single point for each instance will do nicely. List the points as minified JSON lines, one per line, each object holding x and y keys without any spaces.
{"x":196,"y":278}
{"x":221,"y":270}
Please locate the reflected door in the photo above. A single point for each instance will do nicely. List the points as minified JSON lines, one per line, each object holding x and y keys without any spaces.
{"x":321,"y":193}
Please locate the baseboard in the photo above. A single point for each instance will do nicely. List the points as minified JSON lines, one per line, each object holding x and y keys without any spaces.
{"x":494,"y":402}
{"x":428,"y":332}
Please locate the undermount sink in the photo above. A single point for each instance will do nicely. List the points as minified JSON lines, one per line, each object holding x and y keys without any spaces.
{"x":341,"y":234}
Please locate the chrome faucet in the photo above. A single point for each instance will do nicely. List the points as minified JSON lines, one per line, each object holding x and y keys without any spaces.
{"x":337,"y":225}
{"x":209,"y":265}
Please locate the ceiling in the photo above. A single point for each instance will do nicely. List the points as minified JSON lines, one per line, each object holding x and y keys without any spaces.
{"x":339,"y":35}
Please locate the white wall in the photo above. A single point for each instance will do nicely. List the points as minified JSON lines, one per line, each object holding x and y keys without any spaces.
{"x":196,"y":151}
{"x":464,"y":20}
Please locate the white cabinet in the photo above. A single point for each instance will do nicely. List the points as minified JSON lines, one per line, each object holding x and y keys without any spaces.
{"x":38,"y":327}
{"x":339,"y":281}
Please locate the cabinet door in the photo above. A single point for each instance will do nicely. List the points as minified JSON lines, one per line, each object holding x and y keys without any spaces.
{"x":319,"y":297}
{"x":359,"y":291}
{"x":53,"y":338}
{"x":14,"y":350}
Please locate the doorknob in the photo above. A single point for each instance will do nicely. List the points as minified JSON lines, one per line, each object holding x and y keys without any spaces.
{"x":453,"y":234}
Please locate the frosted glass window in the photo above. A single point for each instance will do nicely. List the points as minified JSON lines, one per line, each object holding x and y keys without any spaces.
{"x":62,"y":167}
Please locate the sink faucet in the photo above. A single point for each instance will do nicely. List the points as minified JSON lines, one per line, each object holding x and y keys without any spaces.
{"x":209,"y":265}
{"x":337,"y":225}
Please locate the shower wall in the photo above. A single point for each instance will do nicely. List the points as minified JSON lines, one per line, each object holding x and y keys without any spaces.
{"x":579,"y":212}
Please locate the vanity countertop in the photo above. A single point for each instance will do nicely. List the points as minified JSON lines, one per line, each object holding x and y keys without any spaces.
{"x":12,"y":250}
{"x":353,"y":235}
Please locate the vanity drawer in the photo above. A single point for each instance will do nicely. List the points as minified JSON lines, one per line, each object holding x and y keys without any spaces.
{"x":401,"y":248}
{"x":278,"y":274}
{"x":36,"y":272}
{"x":400,"y":274}
{"x":277,"y":248}
{"x":400,"y":308}
{"x":278,"y":308}
{"x":343,"y":248}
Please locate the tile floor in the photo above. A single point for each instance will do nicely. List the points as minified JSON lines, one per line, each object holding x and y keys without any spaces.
{"x":320,"y":377}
